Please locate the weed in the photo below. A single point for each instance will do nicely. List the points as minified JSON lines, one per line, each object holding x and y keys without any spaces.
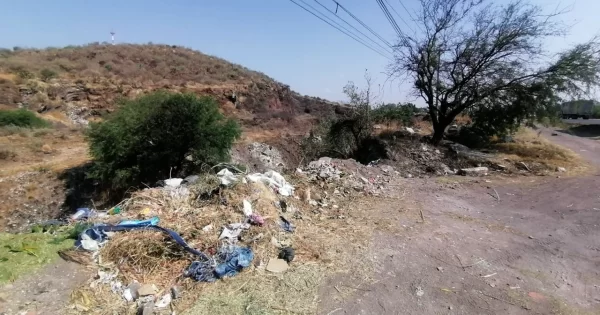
{"x":7,"y":154}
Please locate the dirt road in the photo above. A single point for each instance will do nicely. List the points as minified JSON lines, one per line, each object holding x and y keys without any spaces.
{"x":491,"y":246}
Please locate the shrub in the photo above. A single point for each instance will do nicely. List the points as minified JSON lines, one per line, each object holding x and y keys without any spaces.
{"x":152,"y":137}
{"x":21,"y":118}
{"x":47,"y":74}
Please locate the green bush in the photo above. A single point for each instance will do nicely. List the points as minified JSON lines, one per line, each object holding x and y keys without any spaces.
{"x":47,"y":74}
{"x":402,"y":113}
{"x":21,"y":118}
{"x":154,"y":136}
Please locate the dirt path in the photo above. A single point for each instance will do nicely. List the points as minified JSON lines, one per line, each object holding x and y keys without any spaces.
{"x":536,"y":250}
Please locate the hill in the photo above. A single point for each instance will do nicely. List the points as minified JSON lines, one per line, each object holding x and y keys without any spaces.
{"x":77,"y":84}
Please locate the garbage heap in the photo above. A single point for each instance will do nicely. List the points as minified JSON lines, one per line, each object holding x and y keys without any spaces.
{"x":199,"y":229}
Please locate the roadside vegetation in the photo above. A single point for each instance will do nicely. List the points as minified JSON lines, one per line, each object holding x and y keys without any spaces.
{"x":21,"y":118}
{"x":158,"y":136}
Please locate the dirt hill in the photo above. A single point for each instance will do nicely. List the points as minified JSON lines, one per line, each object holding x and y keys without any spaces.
{"x":76,"y":84}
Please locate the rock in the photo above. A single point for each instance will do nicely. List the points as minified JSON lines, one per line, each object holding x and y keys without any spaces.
{"x":146,"y":309}
{"x":277,"y":265}
{"x":410,"y":130}
{"x":473,"y":171}
{"x":561,"y":169}
{"x":74,"y":94}
{"x":555,"y":134}
{"x":47,"y":149}
{"x":387,"y":169}
{"x":269,"y":156}
{"x":131,"y":293}
{"x":164,"y":301}
{"x":176,"y":292}
{"x":190,"y":180}
{"x":147,"y":289}
{"x":173,"y":182}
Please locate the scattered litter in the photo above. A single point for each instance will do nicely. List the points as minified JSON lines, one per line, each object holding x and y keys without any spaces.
{"x":234,"y":260}
{"x":273,"y":180}
{"x":277,"y":265}
{"x":151,"y":221}
{"x":232,"y":231}
{"x":164,"y":301}
{"x":88,"y":243}
{"x":82,"y":214}
{"x":114,"y":210}
{"x":490,"y":275}
{"x":286,"y":225}
{"x":287,"y":254}
{"x":173,"y":182}
{"x":474,"y":171}
{"x":226,"y":177}
{"x":256,"y":219}
{"x":147,"y":289}
{"x":145,"y":212}
{"x":247,"y":208}
{"x":229,"y":261}
{"x":561,"y":169}
{"x":208,"y":228}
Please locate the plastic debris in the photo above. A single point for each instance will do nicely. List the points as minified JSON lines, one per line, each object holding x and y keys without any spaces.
{"x":207,"y":228}
{"x":256,"y":219}
{"x":273,"y":180}
{"x":88,"y":243}
{"x":151,"y":221}
{"x":234,"y":260}
{"x":229,"y":261}
{"x":247,"y":208}
{"x":232,"y":231}
{"x":131,"y":292}
{"x":82,"y":214}
{"x":226,"y":177}
{"x":173,"y":182}
{"x":114,"y":210}
{"x":164,"y":301}
{"x":287,"y":254}
{"x":277,"y":265}
{"x":286,"y":225}
{"x":99,"y":234}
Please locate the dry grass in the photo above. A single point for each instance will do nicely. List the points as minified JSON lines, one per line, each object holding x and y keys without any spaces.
{"x":529,"y":147}
{"x":325,"y":241}
{"x":129,"y":62}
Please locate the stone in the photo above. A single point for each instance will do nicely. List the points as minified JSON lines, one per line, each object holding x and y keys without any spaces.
{"x":176,"y":292}
{"x":47,"y":149}
{"x":473,"y":171}
{"x":410,"y":130}
{"x":146,"y":309}
{"x":561,"y":169}
{"x":277,"y":265}
{"x":147,"y":289}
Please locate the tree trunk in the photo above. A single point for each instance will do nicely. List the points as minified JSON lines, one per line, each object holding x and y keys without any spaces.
{"x":439,"y":130}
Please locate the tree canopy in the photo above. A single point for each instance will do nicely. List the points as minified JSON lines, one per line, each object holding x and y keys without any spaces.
{"x":479,"y":57}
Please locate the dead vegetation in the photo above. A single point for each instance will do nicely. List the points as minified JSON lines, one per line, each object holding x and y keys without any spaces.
{"x":539,"y":154}
{"x":325,"y":240}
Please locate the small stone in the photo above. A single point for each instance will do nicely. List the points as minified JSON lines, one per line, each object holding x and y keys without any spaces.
{"x":561,"y":169}
{"x":530,"y":237}
{"x":47,"y":149}
{"x":146,"y":309}
{"x":277,"y":265}
{"x":147,"y":289}
{"x":176,"y":292}
{"x":440,"y":269}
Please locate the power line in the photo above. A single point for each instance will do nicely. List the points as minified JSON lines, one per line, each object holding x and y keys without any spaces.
{"x":411,"y":16}
{"x":389,"y":17}
{"x":362,"y":23}
{"x":339,"y":29}
{"x":352,"y":26}
{"x":398,"y":15}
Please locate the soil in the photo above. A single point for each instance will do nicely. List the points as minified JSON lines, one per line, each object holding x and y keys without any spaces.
{"x":45,"y":292}
{"x":483,"y":246}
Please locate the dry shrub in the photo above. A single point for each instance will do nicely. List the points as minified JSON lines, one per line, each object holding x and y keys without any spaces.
{"x":530,"y":147}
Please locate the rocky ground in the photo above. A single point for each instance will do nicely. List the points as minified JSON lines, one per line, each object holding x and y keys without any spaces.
{"x":518,"y":246}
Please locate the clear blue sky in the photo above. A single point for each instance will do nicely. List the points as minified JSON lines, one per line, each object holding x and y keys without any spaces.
{"x":272,"y":36}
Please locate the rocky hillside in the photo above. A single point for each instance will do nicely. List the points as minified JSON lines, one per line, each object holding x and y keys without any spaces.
{"x":77,"y":84}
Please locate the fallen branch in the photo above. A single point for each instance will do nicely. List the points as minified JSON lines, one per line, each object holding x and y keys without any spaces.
{"x":505,"y":301}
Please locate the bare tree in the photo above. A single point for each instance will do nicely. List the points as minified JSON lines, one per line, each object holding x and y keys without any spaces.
{"x":471,"y":51}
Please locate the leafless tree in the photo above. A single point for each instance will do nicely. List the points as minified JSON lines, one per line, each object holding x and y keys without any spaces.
{"x":470,"y":51}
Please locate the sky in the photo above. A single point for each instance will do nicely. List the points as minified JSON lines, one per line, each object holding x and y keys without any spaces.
{"x":275,"y":37}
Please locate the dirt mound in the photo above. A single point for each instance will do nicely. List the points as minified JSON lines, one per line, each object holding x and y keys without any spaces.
{"x":87,"y":81}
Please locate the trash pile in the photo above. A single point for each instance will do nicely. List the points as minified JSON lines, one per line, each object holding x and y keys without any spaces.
{"x":179,"y":231}
{"x":348,"y":175}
